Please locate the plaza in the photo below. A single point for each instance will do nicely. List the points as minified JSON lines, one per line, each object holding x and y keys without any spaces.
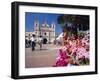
{"x":41,"y":58}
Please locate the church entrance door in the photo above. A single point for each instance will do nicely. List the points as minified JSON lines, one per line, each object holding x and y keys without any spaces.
{"x":45,"y":41}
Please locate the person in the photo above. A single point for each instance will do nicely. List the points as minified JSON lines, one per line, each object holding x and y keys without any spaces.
{"x":26,"y":42}
{"x":40,"y":41}
{"x":33,"y":42}
{"x":65,"y":37}
{"x":29,"y":37}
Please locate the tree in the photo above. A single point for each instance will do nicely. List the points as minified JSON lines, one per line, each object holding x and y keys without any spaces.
{"x":70,"y":23}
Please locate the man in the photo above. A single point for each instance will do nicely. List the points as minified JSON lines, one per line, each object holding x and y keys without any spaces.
{"x":33,"y":42}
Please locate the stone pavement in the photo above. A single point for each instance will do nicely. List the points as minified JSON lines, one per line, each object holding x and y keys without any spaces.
{"x":41,"y":58}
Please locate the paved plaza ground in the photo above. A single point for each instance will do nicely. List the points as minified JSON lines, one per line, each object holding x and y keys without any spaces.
{"x":41,"y":58}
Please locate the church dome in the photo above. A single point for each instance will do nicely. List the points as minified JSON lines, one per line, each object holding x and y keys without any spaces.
{"x":45,"y":25}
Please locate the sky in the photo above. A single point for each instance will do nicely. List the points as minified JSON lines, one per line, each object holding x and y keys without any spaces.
{"x":42,"y":17}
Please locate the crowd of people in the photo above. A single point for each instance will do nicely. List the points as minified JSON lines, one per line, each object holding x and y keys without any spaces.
{"x":31,"y":42}
{"x":75,"y":51}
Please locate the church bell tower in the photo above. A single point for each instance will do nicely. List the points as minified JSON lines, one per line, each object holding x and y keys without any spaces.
{"x":36,"y":24}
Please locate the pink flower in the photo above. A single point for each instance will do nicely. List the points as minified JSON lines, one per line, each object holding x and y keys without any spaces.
{"x":61,"y":60}
{"x":78,"y":49}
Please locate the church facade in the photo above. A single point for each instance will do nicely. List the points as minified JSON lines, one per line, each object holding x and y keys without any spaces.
{"x":45,"y":30}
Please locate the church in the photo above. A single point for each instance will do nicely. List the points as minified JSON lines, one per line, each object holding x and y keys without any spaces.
{"x":45,"y":30}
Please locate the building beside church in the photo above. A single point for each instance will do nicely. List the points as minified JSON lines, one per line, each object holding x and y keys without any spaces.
{"x":45,"y":30}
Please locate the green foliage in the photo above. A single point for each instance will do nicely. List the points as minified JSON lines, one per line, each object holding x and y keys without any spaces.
{"x":76,"y":21}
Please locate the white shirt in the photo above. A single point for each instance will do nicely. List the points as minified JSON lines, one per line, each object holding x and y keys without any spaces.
{"x":40,"y":39}
{"x":32,"y":39}
{"x":26,"y":38}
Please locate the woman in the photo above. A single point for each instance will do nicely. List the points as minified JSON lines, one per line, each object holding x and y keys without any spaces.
{"x":40,"y":42}
{"x":65,"y":56}
{"x":62,"y":59}
{"x":65,"y":37}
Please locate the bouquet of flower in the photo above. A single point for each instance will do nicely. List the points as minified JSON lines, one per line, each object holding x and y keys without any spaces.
{"x":76,"y":50}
